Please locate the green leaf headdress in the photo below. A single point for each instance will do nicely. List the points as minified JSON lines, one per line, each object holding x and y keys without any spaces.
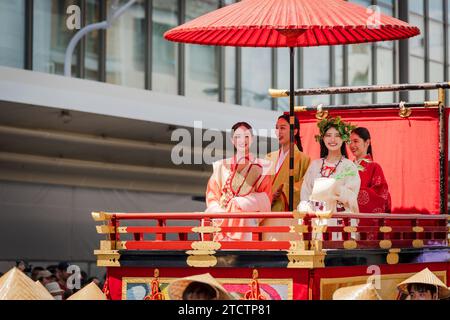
{"x":344,"y":128}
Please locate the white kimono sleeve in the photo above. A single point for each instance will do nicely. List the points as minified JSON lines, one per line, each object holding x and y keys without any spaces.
{"x":349,"y":189}
{"x":308,"y":183}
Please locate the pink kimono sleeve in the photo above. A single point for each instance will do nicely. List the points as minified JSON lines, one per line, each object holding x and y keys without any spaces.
{"x":213,"y":194}
{"x":260,"y":200}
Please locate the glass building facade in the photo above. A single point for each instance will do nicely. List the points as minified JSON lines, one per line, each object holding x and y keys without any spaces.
{"x":133,"y":52}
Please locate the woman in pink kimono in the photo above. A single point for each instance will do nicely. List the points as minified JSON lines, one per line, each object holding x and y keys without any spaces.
{"x":239,"y":184}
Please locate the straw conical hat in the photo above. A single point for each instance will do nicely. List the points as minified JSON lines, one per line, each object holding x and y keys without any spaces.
{"x":89,"y":292}
{"x":426,"y":277}
{"x":15,"y":285}
{"x":177,"y":287}
{"x":365,"y":291}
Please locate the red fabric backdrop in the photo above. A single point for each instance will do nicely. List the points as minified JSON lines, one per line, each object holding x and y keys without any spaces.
{"x":407,"y":150}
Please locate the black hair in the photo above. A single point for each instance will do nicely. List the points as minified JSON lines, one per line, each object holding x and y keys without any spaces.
{"x":241,"y":124}
{"x":35,"y":271}
{"x":21,"y":261}
{"x":62,"y":266}
{"x":237,"y":126}
{"x":199,"y":289}
{"x":324,"y":149}
{"x":38,"y":268}
{"x":298,"y":140}
{"x":52,"y":268}
{"x":28,"y":267}
{"x":364,"y":134}
{"x":422,"y":287}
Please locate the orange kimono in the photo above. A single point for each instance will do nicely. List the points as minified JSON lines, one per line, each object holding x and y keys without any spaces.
{"x":238,"y":188}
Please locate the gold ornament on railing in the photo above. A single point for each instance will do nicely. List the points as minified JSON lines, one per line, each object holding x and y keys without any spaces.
{"x":156,"y":293}
{"x":321,"y":114}
{"x":404,"y":111}
{"x":254,"y":293}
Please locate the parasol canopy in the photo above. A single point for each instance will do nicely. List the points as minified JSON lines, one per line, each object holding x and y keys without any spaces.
{"x":291,"y":23}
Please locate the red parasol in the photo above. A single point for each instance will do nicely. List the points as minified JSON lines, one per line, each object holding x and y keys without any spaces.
{"x":291,"y":23}
{"x":263,"y":23}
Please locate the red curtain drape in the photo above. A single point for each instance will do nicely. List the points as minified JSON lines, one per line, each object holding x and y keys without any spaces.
{"x":406,"y":148}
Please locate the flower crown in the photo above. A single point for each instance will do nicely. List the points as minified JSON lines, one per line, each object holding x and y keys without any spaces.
{"x":344,"y":128}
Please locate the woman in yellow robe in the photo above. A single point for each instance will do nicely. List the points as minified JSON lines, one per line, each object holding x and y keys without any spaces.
{"x":280,"y":176}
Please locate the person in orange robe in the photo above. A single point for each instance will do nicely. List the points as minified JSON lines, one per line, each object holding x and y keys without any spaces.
{"x":374,"y":196}
{"x":239,"y":184}
{"x":280,"y":177}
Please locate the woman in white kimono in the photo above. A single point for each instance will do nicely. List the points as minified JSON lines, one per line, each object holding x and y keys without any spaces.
{"x":239,"y":184}
{"x":333,"y":163}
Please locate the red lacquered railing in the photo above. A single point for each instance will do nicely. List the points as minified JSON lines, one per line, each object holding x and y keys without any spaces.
{"x":301,"y":231}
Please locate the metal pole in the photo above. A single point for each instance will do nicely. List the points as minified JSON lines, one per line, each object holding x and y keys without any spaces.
{"x":181,"y":75}
{"x":442,"y":157}
{"x":415,"y":105}
{"x":101,"y":46}
{"x":291,"y":123}
{"x":403,"y":50}
{"x":81,"y":56}
{"x":148,"y":44}
{"x":360,"y":89}
{"x":28,"y":45}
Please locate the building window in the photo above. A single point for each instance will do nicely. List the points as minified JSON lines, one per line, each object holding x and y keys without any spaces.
{"x":417,"y":49}
{"x":436,"y":10}
{"x":230,"y":74}
{"x":436,"y":43}
{"x":316,"y":73}
{"x":360,"y":65}
{"x":360,"y":71}
{"x":283,"y":75}
{"x":256,"y":77}
{"x":202,"y":63}
{"x":338,"y":72}
{"x":385,"y":70}
{"x":91,"y":62}
{"x":230,"y":67}
{"x":12,"y":33}
{"x":51,"y":35}
{"x":165,"y":53}
{"x":125,"y":47}
{"x":385,"y":57}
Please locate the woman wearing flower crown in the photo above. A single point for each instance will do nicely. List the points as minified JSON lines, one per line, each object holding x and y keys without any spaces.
{"x":239,"y":184}
{"x":345,"y":182}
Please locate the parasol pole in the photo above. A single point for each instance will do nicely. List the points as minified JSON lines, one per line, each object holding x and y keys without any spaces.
{"x":291,"y":128}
